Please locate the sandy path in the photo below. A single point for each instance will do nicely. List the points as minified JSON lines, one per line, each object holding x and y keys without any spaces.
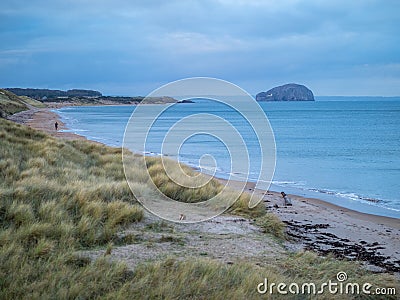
{"x":226,"y":238}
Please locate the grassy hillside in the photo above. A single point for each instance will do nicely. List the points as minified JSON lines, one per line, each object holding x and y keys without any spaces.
{"x":32,"y":102}
{"x":11,"y":104}
{"x":57,"y":197}
{"x":60,"y":197}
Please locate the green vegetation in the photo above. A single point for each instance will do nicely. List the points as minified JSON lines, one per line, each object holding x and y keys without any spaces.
{"x":46,"y":93}
{"x":11,"y":104}
{"x":176,"y":191}
{"x":48,"y":183}
{"x":58,"y":198}
{"x":270,"y":223}
{"x":80,"y":97}
{"x":159,"y":100}
{"x":210,"y":279}
{"x":180,"y":193}
{"x":32,"y":102}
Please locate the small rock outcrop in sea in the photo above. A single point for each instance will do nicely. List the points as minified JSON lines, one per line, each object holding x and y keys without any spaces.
{"x":287,"y":92}
{"x":185,"y":101}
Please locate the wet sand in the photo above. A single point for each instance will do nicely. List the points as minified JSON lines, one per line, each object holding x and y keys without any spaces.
{"x":311,"y":223}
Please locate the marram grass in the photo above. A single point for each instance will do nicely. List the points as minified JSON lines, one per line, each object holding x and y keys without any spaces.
{"x":209,"y":190}
{"x":57,"y":197}
{"x":270,"y":223}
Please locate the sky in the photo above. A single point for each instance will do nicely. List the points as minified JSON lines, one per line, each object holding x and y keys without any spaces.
{"x":125,"y":47}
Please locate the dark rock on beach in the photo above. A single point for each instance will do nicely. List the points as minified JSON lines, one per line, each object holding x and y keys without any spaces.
{"x":287,"y":92}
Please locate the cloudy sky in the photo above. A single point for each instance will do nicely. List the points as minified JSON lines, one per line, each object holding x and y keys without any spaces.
{"x":126,"y":47}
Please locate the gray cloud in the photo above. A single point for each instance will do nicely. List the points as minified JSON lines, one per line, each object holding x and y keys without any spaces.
{"x":130,"y":46}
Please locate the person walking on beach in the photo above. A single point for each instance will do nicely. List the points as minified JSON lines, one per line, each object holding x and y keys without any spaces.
{"x":56,"y":125}
{"x":286,"y":199}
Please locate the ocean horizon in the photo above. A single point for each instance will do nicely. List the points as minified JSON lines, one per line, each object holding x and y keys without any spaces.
{"x":344,"y":151}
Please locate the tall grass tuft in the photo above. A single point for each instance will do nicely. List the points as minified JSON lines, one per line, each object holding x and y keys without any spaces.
{"x":241,"y":207}
{"x":270,"y":223}
{"x":193,"y":195}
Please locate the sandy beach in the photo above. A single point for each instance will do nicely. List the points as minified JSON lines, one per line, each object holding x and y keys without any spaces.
{"x":44,"y":119}
{"x":327,"y":228}
{"x":311,"y":223}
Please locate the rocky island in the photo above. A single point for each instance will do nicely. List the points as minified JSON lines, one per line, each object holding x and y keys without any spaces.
{"x":287,"y":92}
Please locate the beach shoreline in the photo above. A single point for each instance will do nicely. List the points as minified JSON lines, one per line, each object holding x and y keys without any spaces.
{"x":313,"y":224}
{"x":330,"y":229}
{"x":44,"y":119}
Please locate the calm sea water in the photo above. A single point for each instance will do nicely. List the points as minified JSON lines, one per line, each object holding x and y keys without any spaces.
{"x":345,"y":152}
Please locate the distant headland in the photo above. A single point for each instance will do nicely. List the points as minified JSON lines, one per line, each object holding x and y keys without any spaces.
{"x":43,"y":94}
{"x":287,"y":92}
{"x":84,"y":97}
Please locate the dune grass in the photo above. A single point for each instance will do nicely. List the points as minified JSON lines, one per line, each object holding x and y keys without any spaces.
{"x":50,"y":184}
{"x":193,"y":195}
{"x":176,"y":191}
{"x":270,"y":223}
{"x":57,"y":197}
{"x":10,"y":103}
{"x":60,"y":197}
{"x":33,"y":102}
{"x":209,"y":279}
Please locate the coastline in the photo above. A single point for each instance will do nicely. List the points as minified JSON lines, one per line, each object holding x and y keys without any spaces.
{"x":43,"y":119}
{"x":313,"y":223}
{"x":330,"y":229}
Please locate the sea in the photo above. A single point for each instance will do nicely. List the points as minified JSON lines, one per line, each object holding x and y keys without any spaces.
{"x":343,"y":150}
